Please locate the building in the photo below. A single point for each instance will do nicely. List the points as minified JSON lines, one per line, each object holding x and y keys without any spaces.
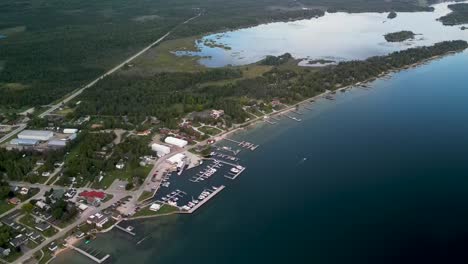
{"x":70,"y":130}
{"x":42,"y":226}
{"x":42,"y":205}
{"x":56,"y":143}
{"x":176,"y":142}
{"x":93,"y":194}
{"x":24,"y":191}
{"x":216,"y":113}
{"x":18,"y":240}
{"x":24,"y":142}
{"x":177,"y":159}
{"x":53,"y":246}
{"x":120,"y":165}
{"x":161,"y":150}
{"x":4,"y":251}
{"x":98,"y":219}
{"x":82,"y":207}
{"x":155,"y":207}
{"x":40,"y":135}
{"x":14,"y":201}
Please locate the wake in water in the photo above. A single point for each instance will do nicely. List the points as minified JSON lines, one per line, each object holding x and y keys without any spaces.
{"x":301,"y":161}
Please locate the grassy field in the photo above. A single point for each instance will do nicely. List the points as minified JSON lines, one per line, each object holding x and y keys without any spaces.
{"x":124,"y":174}
{"x":210,"y":130}
{"x":5,"y":206}
{"x":145,"y":195}
{"x":165,"y":209}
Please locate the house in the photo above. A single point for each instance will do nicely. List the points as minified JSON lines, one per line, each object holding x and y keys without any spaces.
{"x":120,"y":165}
{"x":79,"y":234}
{"x":35,"y":235}
{"x":53,"y":246}
{"x":216,"y":113}
{"x":155,"y":207}
{"x":4,"y":251}
{"x":14,"y":201}
{"x":24,"y":191}
{"x":45,"y":174}
{"x":42,"y":226}
{"x":82,"y":207}
{"x":18,"y":241}
{"x":93,"y":194}
{"x":98,"y":219}
{"x":40,"y":204}
{"x":93,"y":201}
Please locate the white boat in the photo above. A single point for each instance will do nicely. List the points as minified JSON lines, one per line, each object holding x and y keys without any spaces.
{"x":234,"y":170}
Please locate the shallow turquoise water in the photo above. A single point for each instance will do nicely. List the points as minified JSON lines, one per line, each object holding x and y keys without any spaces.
{"x":385,"y":181}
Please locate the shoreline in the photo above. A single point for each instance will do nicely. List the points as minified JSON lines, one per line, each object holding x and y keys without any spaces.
{"x":249,"y":124}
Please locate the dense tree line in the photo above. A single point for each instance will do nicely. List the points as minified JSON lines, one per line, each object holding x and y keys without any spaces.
{"x":458,"y":16}
{"x":399,"y":36}
{"x":171,"y":95}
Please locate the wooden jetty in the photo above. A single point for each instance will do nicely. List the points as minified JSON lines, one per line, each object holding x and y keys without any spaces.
{"x":270,"y":122}
{"x":95,"y":259}
{"x":125,"y":230}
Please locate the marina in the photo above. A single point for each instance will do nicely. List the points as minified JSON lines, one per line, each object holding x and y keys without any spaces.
{"x":293,"y":118}
{"x":244,"y":144}
{"x":90,"y":253}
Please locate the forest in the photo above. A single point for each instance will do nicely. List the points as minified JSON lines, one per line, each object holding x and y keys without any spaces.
{"x":458,"y":16}
{"x":52,"y":47}
{"x":168,"y":96}
{"x":399,"y":36}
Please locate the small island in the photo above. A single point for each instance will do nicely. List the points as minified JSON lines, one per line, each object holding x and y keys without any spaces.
{"x":392,"y":15}
{"x":399,"y":36}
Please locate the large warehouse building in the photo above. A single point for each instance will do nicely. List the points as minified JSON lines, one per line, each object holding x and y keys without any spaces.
{"x":161,"y":150}
{"x":41,"y":135}
{"x":176,"y":142}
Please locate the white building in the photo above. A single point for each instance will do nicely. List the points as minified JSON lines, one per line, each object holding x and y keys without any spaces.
{"x":177,"y":159}
{"x":70,"y":130}
{"x":176,"y":142}
{"x":42,"y":135}
{"x":161,"y":150}
{"x":155,"y":207}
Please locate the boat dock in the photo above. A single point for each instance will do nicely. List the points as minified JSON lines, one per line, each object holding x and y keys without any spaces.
{"x":275,"y":118}
{"x":228,"y":149}
{"x":296,"y":112}
{"x":193,"y":209}
{"x":244,"y":144}
{"x":293,"y":118}
{"x":233,"y":175}
{"x":127,"y":230}
{"x":94,"y":258}
{"x":269,"y":122}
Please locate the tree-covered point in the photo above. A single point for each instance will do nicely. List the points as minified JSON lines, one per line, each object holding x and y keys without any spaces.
{"x":458,"y":16}
{"x":168,"y":96}
{"x":399,"y":36}
{"x":276,"y":60}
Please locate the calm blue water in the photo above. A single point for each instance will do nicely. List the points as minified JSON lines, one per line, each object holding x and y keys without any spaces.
{"x":335,"y":36}
{"x":385,"y":181}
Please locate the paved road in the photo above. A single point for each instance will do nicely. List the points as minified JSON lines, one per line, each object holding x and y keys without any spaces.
{"x":78,"y":92}
{"x":60,"y":234}
{"x":17,"y":130}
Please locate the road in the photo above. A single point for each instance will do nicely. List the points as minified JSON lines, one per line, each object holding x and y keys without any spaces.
{"x":12,"y":133}
{"x":79,"y":91}
{"x":70,"y":227}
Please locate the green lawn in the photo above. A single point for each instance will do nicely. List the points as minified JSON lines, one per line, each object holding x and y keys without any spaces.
{"x":5,"y":206}
{"x":210,"y":130}
{"x":145,"y":195}
{"x":165,"y":209}
{"x":124,"y":174}
{"x":28,"y":221}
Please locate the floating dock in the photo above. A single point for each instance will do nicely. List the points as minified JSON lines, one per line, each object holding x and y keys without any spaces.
{"x":244,"y":144}
{"x":202,"y":202}
{"x":269,"y":122}
{"x":95,"y":259}
{"x":125,"y":230}
{"x":293,"y":118}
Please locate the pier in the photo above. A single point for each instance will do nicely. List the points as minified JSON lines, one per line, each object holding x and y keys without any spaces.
{"x":193,"y":209}
{"x":270,"y":122}
{"x":126,"y":230}
{"x":293,"y":118}
{"x":95,"y":259}
{"x":244,"y":144}
{"x":275,"y":118}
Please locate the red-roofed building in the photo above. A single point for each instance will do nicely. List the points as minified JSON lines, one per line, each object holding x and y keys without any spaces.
{"x":93,"y":194}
